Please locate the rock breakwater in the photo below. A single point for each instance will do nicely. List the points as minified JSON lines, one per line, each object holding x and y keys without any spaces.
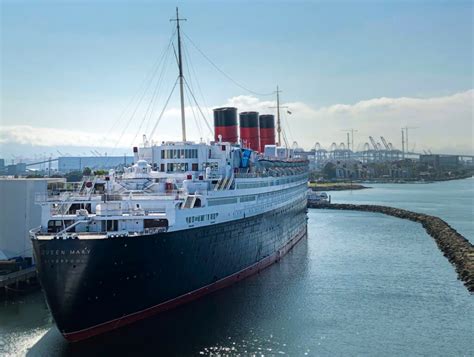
{"x":457,"y":249}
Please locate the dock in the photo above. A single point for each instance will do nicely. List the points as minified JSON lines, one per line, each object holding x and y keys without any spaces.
{"x":15,"y":281}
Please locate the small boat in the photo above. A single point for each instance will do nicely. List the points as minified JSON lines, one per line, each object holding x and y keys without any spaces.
{"x":318,"y":197}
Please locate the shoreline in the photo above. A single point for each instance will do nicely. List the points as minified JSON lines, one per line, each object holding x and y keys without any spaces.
{"x":392,"y":181}
{"x":343,"y":186}
{"x":455,"y":247}
{"x":418,"y":181}
{"x":360,"y":185}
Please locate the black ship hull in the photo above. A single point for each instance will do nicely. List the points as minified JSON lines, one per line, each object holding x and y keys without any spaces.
{"x":96,"y":285}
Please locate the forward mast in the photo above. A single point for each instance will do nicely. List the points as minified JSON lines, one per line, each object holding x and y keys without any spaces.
{"x":181,"y":77}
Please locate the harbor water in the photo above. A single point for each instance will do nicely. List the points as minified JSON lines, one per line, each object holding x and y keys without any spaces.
{"x":452,"y":201}
{"x":360,"y":284}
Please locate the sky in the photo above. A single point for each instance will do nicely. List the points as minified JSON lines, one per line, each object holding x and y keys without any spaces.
{"x":77,"y":75}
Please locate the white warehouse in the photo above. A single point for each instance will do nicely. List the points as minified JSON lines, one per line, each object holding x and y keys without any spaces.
{"x":19,"y":213}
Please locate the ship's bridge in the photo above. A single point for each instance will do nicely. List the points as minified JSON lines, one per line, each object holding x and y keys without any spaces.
{"x":181,"y":157}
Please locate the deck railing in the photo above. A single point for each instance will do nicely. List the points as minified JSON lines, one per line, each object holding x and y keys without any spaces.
{"x":73,"y":197}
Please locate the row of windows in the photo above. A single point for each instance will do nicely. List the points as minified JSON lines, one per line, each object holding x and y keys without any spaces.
{"x":247,"y":198}
{"x":202,"y":218}
{"x":286,"y":196}
{"x":281,"y":181}
{"x":178,"y":167}
{"x":252,"y":185}
{"x":283,"y":196}
{"x":281,"y":192}
{"x":213,"y":165}
{"x":184,"y":166}
{"x":222,"y":201}
{"x":287,"y":180}
{"x":179,"y":154}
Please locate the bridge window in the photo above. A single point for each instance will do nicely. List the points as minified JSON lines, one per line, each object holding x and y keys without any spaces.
{"x":55,"y":226}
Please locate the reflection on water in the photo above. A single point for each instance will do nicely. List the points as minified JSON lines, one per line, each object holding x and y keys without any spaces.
{"x":22,"y":323}
{"x":362,"y":283}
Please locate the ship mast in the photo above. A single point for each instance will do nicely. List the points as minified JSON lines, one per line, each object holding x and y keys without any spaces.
{"x":278,"y":107}
{"x":278,"y":91}
{"x":181,"y":78}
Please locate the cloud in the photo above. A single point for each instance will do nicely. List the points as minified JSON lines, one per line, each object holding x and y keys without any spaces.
{"x":443,"y":124}
{"x":34,"y":136}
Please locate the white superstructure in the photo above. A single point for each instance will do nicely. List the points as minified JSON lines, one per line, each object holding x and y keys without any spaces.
{"x":174,"y":186}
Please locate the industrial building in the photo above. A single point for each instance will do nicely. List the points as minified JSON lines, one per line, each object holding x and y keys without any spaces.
{"x":78,"y":163}
{"x":15,"y":169}
{"x":20,"y":213}
{"x":441,"y":161}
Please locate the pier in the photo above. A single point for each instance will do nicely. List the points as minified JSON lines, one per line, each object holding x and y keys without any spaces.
{"x":456,"y":248}
{"x":15,"y":281}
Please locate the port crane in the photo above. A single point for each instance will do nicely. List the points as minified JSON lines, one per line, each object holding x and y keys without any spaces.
{"x":385,"y":143}
{"x":374,"y":144}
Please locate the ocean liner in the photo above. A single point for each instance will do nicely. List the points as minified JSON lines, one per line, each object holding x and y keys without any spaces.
{"x":185,"y":220}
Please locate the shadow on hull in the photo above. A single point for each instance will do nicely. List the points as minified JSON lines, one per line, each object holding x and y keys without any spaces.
{"x":217,"y":321}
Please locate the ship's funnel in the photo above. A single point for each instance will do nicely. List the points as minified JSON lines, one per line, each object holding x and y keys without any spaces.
{"x":249,"y":130}
{"x":225,"y":124}
{"x":267,"y":130}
